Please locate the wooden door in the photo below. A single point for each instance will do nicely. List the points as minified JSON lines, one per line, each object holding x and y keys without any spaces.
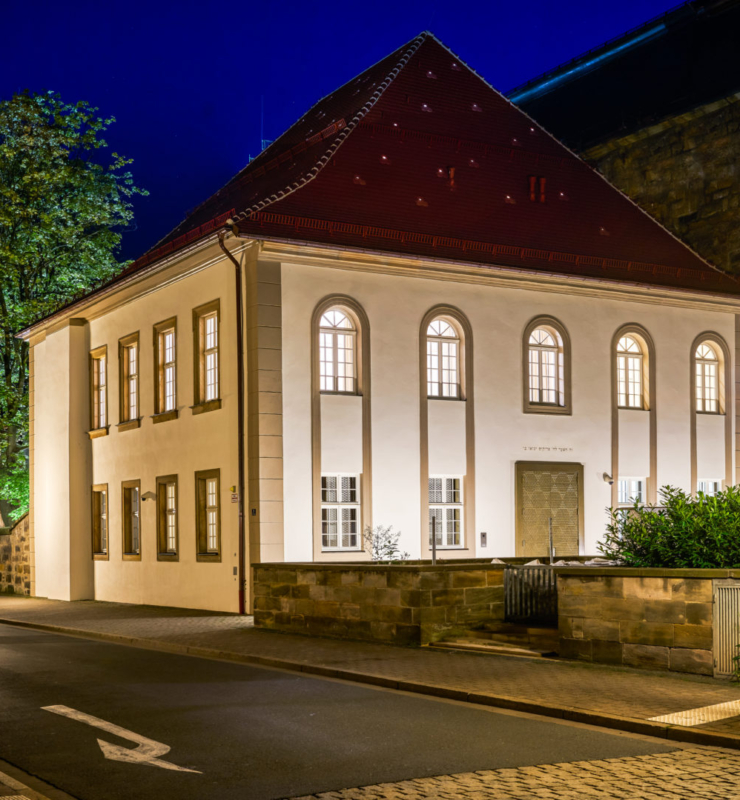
{"x":548,"y":491}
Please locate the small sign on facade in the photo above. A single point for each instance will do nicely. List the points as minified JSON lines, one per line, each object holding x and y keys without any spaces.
{"x":234,"y":497}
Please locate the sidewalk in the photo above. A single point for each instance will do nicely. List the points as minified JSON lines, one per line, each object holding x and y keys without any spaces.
{"x":590,"y":693}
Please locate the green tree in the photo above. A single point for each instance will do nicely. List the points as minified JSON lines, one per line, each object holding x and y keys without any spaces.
{"x":64,"y":202}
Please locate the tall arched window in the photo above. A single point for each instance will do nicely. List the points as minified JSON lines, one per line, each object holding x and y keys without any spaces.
{"x":337,"y":353}
{"x":546,"y":384}
{"x":630,"y":393}
{"x":443,"y":359}
{"x":707,"y":379}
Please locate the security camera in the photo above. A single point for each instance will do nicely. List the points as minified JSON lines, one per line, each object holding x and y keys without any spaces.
{"x":149,"y":496}
{"x":608,"y":479}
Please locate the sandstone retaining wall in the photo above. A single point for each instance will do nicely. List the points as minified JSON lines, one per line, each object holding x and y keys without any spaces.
{"x":400,"y":604}
{"x":639,"y":617}
{"x":15,"y":559}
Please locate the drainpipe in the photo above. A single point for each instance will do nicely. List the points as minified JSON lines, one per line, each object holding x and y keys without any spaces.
{"x":240,"y":412}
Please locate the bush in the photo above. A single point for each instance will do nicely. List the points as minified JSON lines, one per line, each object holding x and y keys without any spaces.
{"x":684,"y":532}
{"x":381,"y":543}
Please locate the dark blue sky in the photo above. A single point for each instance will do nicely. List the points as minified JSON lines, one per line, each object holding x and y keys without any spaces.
{"x":185,"y":80}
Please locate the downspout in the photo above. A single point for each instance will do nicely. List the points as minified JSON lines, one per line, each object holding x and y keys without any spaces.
{"x":240,"y":411}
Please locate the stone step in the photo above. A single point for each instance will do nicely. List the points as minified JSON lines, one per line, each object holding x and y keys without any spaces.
{"x":484,"y":646}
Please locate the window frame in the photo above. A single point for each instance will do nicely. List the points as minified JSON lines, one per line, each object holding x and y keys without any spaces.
{"x":159,"y":331}
{"x":201,"y":516}
{"x":459,"y":342}
{"x":96,"y":428}
{"x":163,"y":554}
{"x":200,"y":404}
{"x":704,"y":481}
{"x":100,"y":553}
{"x":642,"y":361}
{"x":125,"y":420}
{"x":126,"y":529}
{"x":334,"y":332}
{"x":631,"y":498}
{"x":700,"y":379}
{"x":340,"y":507}
{"x":444,"y":506}
{"x":562,"y":367}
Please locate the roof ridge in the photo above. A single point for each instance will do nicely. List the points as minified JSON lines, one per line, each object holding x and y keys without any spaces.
{"x":350,"y":126}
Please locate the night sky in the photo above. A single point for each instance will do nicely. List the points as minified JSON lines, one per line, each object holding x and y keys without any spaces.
{"x":186,"y":80}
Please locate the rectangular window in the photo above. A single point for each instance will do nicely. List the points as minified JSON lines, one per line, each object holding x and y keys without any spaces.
{"x":709,"y":486}
{"x":208,"y":514}
{"x":165,"y":378}
{"x":706,"y":387}
{"x":100,"y":520}
{"x":206,"y":326}
{"x":340,"y":512}
{"x":630,"y":490}
{"x":629,"y":381}
{"x":131,"y":513}
{"x":99,"y":388}
{"x":167,"y":529}
{"x":445,"y":511}
{"x":442,"y":368}
{"x":128,"y":370}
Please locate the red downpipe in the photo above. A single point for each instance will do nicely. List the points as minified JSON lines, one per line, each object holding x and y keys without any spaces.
{"x":240,"y":412}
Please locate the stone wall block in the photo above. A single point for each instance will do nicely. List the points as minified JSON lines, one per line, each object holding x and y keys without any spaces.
{"x":484,"y":595}
{"x":448,"y":597}
{"x":579,"y":649}
{"x":673,"y":611}
{"x":646,"y":633}
{"x":605,"y":630}
{"x":695,"y":637}
{"x":645,"y":656}
{"x":693,"y":590}
{"x":388,"y":597}
{"x":461,"y":580}
{"x":375,"y":580}
{"x":648,"y":588}
{"x":399,"y":579}
{"x":699,"y":613}
{"x":628,"y":608}
{"x":306,"y":576}
{"x":699,"y":662}
{"x":607,"y":651}
{"x":433,"y":580}
{"x":495,"y":577}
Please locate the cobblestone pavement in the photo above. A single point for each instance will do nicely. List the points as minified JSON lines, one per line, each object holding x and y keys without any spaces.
{"x":587,"y":687}
{"x":691,"y":773}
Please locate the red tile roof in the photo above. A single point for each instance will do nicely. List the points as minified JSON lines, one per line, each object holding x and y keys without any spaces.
{"x":420,"y":156}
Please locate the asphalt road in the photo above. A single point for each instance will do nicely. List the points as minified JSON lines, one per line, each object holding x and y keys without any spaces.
{"x":250,"y":732}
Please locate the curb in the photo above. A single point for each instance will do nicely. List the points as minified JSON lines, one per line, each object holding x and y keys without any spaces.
{"x":612,"y":721}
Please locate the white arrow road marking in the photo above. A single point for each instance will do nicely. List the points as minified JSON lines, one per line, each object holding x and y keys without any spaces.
{"x":148,"y":752}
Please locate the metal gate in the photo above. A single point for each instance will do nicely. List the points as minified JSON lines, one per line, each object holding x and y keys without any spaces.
{"x":726,"y":625}
{"x":531,"y":595}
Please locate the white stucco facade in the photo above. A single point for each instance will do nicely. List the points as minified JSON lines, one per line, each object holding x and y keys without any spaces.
{"x":284,"y":285}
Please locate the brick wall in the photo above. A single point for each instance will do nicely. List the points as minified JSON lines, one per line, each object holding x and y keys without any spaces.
{"x":15,"y":559}
{"x":684,"y":172}
{"x":638,"y":618}
{"x":401,"y":604}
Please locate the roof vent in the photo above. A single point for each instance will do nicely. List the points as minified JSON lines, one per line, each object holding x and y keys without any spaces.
{"x":510,"y":200}
{"x":476,"y":107}
{"x":455,"y":66}
{"x":357,"y":179}
{"x":385,"y":160}
{"x":430,"y":74}
{"x":425,"y":107}
{"x":420,"y":201}
{"x":473,"y":163}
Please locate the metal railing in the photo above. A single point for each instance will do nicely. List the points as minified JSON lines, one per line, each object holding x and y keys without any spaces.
{"x":531,"y":595}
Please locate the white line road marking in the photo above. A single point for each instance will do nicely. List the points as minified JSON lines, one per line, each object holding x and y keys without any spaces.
{"x":147,"y":752}
{"x":699,"y":716}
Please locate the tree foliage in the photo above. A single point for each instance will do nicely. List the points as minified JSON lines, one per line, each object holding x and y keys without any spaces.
{"x":686,"y":532}
{"x":64,"y":203}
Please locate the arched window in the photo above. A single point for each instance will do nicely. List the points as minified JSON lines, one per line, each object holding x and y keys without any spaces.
{"x":337,"y":353}
{"x":630,"y":392}
{"x":707,"y":369}
{"x":546,"y":378}
{"x":443,"y":359}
